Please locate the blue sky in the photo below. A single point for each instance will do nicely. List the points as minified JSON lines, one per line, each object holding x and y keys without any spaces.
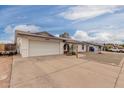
{"x":102,"y":24}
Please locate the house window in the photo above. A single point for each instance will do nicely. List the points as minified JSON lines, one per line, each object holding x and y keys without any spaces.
{"x":82,"y":47}
{"x":66,"y":47}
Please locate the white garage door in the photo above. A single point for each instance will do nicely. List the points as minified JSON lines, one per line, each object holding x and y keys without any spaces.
{"x":41,"y":48}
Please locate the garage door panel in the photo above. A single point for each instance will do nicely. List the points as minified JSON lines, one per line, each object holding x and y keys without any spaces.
{"x":40,"y":48}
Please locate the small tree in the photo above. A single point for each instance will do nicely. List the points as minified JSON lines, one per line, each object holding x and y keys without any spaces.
{"x":122,"y":45}
{"x":65,"y":35}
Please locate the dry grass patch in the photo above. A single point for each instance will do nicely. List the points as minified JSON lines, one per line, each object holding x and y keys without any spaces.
{"x":105,"y":58}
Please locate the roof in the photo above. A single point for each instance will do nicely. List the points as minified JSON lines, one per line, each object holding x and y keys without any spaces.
{"x":95,"y":44}
{"x":38,"y":34}
{"x":45,"y":34}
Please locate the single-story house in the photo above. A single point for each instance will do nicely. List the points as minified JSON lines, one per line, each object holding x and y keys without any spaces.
{"x":93,"y":47}
{"x":43,"y":43}
{"x":7,"y":47}
{"x":2,"y":47}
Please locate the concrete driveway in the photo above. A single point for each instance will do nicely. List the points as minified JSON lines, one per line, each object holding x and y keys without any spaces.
{"x":65,"y":72}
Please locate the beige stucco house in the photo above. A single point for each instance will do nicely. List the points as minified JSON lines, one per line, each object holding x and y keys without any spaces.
{"x":42,"y":43}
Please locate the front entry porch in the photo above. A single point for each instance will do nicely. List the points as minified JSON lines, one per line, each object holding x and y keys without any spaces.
{"x":69,"y":49}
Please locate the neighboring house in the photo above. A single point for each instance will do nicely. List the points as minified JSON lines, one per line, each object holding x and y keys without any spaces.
{"x":93,"y":47}
{"x":2,"y":47}
{"x":7,"y":47}
{"x":42,"y":43}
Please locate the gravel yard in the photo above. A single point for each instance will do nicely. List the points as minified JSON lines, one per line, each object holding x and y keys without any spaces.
{"x":5,"y":71}
{"x":105,"y":58}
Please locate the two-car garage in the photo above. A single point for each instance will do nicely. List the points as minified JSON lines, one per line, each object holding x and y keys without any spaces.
{"x":28,"y":47}
{"x":42,"y":48}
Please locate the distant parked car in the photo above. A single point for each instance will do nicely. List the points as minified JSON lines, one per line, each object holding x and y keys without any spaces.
{"x":114,"y":50}
{"x":121,"y":50}
{"x":11,"y":52}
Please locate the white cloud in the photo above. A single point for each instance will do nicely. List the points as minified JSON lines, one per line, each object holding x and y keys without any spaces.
{"x":99,"y":37}
{"x":31,"y":28}
{"x":82,"y":35}
{"x":10,"y":31}
{"x":6,"y":41}
{"x":57,"y":35}
{"x":87,"y":12}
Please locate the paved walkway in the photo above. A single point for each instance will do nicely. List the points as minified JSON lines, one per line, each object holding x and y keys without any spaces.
{"x":65,"y":71}
{"x":120,"y":79}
